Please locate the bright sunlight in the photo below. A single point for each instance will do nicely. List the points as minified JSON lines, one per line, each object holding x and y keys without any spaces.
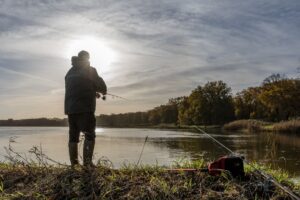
{"x":101,"y":55}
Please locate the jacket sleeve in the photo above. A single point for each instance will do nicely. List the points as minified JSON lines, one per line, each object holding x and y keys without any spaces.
{"x":98,"y":82}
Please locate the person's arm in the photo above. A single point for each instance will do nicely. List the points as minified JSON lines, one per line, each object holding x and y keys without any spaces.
{"x":98,"y":82}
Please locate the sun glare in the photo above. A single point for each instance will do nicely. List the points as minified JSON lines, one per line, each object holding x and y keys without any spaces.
{"x":101,"y":55}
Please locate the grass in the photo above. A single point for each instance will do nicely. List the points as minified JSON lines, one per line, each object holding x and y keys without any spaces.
{"x":139,"y":182}
{"x":23,"y":179}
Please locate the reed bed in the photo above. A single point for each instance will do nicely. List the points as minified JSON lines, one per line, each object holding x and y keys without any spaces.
{"x":291,"y":126}
{"x":248,"y":125}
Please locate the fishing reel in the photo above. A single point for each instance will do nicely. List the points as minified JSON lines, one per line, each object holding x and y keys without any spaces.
{"x":98,"y":96}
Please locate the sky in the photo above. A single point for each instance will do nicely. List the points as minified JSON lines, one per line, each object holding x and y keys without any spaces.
{"x":146,"y":51}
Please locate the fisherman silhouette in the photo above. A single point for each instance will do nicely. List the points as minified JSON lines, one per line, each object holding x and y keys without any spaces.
{"x":82,"y":85}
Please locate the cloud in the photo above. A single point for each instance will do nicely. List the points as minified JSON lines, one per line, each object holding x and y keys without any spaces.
{"x":165,"y":48}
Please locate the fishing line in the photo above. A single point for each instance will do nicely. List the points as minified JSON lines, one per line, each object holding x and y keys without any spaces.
{"x":268,"y":177}
{"x":222,"y":145}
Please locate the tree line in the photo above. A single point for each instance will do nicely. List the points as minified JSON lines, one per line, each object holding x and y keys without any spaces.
{"x":276,"y":99}
{"x":34,"y":122}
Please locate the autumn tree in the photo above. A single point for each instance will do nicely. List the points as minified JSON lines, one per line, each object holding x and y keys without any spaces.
{"x":248,"y":105}
{"x":282,"y":98}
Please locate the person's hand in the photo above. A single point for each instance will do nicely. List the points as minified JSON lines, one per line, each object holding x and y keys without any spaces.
{"x":98,"y":95}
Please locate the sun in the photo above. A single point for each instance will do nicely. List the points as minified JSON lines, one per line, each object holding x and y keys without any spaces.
{"x":101,"y":55}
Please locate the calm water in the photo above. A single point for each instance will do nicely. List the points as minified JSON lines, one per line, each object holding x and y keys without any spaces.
{"x":163,"y":146}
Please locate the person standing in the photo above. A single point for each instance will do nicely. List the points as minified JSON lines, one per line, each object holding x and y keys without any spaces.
{"x":82,"y":85}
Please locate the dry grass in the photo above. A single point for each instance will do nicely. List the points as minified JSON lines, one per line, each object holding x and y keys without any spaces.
{"x":23,"y":179}
{"x":292,"y":126}
{"x":32,"y":182}
{"x":248,"y":125}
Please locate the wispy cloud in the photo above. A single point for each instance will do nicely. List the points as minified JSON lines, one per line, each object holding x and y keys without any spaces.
{"x":165,"y":48}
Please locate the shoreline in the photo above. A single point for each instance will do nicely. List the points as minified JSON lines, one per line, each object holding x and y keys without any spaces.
{"x":234,"y":126}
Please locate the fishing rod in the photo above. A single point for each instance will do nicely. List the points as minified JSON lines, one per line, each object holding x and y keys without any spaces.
{"x":142,"y":150}
{"x":103,"y":97}
{"x":116,"y":96}
{"x":263,"y":174}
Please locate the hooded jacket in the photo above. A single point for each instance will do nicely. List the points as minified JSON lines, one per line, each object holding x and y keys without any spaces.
{"x":81,"y":85}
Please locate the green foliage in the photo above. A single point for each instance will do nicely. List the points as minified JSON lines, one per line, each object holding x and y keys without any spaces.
{"x":278,"y":98}
{"x":164,"y":114}
{"x":279,"y":174}
{"x":210,"y":104}
{"x":187,"y":163}
{"x":184,"y":115}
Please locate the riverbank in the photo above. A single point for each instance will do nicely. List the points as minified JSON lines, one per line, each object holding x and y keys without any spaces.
{"x":249,"y":125}
{"x":291,"y":126}
{"x":190,"y":128}
{"x":42,"y":181}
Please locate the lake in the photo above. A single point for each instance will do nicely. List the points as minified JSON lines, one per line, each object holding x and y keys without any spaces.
{"x":163,"y":147}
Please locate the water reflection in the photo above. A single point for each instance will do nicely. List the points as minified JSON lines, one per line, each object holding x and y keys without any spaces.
{"x":276,"y":149}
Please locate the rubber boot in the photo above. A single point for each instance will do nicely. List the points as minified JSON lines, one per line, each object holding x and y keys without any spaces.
{"x":73,"y":153}
{"x":88,"y":150}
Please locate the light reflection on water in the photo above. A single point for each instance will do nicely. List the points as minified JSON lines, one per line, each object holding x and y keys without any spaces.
{"x":163,"y":146}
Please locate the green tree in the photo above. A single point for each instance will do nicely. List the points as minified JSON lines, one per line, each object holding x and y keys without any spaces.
{"x":184,"y":117}
{"x":210,"y":104}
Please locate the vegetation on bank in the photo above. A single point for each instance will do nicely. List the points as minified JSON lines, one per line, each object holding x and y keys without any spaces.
{"x":276,"y":99}
{"x":291,"y":126}
{"x":40,"y":181}
{"x":248,"y":125}
{"x":35,"y":122}
{"x":23,"y":178}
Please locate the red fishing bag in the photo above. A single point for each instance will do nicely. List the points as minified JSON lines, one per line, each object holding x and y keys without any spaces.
{"x":233,"y":164}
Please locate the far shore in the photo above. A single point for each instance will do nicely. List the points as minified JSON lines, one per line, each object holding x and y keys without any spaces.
{"x":247,"y":125}
{"x":290,"y":126}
